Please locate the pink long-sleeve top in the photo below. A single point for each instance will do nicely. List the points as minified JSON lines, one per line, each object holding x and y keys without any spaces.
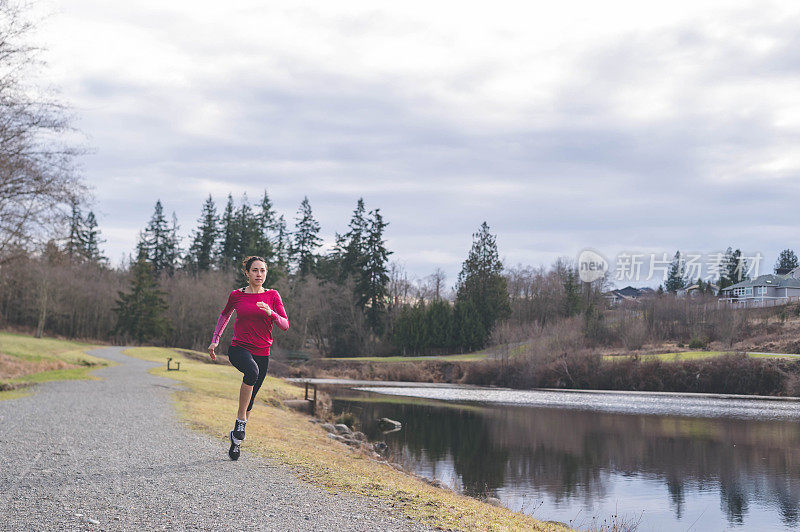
{"x":252,"y":329}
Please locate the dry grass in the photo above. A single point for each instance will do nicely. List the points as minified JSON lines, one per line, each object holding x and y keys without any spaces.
{"x":12,"y":367}
{"x":25,"y":360}
{"x":690,"y":355}
{"x":284,"y":435}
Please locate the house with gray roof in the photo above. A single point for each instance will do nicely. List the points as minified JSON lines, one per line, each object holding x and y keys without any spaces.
{"x":629,"y":293}
{"x":770,"y":287}
{"x":693,"y":290}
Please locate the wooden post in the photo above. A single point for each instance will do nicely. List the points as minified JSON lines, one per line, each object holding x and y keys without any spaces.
{"x":314,"y":403}
{"x":42,"y":309}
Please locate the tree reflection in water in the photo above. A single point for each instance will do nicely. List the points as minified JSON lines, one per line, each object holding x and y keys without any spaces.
{"x":573,"y":454}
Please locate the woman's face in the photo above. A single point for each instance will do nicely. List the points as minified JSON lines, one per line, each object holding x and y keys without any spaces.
{"x":257,"y":272}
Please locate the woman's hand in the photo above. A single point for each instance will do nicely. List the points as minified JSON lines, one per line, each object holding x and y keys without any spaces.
{"x":263,"y":306}
{"x":211,"y":352}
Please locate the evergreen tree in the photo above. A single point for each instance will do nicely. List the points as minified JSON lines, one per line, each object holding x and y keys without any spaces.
{"x":83,"y":241}
{"x":140,"y":313}
{"x":306,"y":239}
{"x":374,"y":276}
{"x":348,"y":257}
{"x":249,"y":232}
{"x":160,"y":242}
{"x":675,"y":280}
{"x":403,"y":330}
{"x":351,"y":246}
{"x":282,"y":244}
{"x":92,"y":240}
{"x":735,"y":268}
{"x":328,"y":267}
{"x":228,"y":241}
{"x":200,"y":257}
{"x":172,"y":247}
{"x":141,"y":248}
{"x":269,"y":225}
{"x":723,"y":280}
{"x":481,"y":283}
{"x":741,"y":266}
{"x":273,"y":234}
{"x":439,"y":318}
{"x":410,"y":329}
{"x":787,"y":260}
{"x":76,"y":241}
{"x":469,"y":332}
{"x":155,"y":233}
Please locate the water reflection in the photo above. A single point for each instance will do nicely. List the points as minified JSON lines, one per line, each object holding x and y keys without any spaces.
{"x":560,"y":462}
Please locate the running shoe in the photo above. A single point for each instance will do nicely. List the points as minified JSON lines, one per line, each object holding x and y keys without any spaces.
{"x":234,"y":451}
{"x":238,"y":430}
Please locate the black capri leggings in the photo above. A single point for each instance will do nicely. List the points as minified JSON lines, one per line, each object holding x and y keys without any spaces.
{"x":254,"y":368}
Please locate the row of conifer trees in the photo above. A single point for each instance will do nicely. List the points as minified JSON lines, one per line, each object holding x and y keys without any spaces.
{"x":345,"y":299}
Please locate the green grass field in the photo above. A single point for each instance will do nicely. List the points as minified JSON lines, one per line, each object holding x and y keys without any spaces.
{"x":27,"y":360}
{"x":470,"y":357}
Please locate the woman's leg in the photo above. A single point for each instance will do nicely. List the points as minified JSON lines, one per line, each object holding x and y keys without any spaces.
{"x":242,"y":360}
{"x":245,"y":394}
{"x":263,"y":364}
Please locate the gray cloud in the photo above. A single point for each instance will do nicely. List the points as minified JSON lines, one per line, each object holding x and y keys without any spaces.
{"x":654,"y":140}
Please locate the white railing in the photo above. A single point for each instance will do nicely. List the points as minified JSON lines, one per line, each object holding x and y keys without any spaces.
{"x":759,"y":301}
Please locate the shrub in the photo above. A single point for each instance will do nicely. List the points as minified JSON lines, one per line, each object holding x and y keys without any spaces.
{"x":698,"y":343}
{"x":347,"y":418}
{"x":633,"y":334}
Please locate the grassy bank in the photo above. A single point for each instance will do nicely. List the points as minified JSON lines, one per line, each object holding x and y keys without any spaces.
{"x":722,"y":373}
{"x":25,"y":360}
{"x":286,"y":436}
{"x":421,"y":371}
{"x":507,"y":350}
{"x":692,"y":355}
{"x":468,"y":357}
{"x":688,"y":371}
{"x":483,"y":355}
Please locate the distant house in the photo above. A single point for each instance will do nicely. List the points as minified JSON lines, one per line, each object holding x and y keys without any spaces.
{"x":693,"y":290}
{"x":783,"y":271}
{"x":770,"y":287}
{"x":629,"y":293}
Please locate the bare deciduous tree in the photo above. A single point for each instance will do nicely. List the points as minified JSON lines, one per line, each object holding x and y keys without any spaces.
{"x":38,"y":181}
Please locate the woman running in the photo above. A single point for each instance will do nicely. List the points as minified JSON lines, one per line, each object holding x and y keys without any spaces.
{"x":256,"y":310}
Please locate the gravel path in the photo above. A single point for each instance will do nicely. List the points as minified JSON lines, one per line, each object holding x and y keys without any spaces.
{"x":112,"y":455}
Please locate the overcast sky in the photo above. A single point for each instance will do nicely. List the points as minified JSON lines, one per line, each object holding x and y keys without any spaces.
{"x":619,"y":126}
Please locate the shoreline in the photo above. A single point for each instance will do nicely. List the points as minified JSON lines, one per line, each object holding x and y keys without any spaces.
{"x":721,"y":375}
{"x":644,"y":393}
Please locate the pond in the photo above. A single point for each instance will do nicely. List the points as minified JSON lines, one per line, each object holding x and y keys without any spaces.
{"x":665,"y":461}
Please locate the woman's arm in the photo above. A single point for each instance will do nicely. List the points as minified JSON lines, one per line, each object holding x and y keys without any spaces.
{"x":223,"y":319}
{"x":279,"y":313}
